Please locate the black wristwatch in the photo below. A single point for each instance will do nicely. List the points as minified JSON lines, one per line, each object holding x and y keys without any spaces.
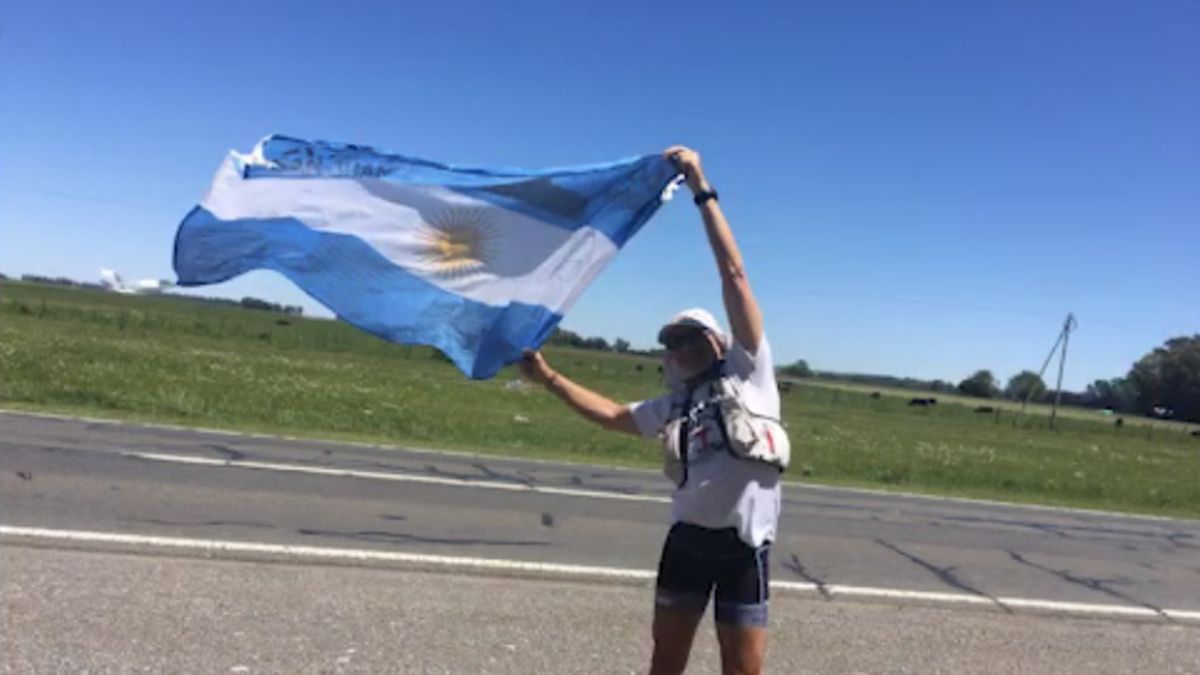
{"x":704,"y":196}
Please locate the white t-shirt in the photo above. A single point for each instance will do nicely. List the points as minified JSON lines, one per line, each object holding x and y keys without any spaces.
{"x":721,"y":490}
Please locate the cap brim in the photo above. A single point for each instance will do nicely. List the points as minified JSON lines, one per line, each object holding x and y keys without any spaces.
{"x":690,"y":324}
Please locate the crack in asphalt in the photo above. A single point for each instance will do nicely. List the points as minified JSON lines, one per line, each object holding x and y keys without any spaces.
{"x":794,"y":565}
{"x":1097,"y":584}
{"x":944,"y":574}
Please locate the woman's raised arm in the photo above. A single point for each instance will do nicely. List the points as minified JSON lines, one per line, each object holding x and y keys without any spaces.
{"x":745,"y":316}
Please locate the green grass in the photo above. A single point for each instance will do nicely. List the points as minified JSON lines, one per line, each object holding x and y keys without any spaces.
{"x":170,"y":360}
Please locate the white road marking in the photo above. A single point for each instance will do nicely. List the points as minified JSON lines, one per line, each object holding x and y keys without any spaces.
{"x":460,"y":453}
{"x":328,"y":553}
{"x":399,"y":477}
{"x":214,"y":546}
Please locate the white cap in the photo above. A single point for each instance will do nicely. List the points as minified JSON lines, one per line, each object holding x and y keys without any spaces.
{"x":696,"y":318}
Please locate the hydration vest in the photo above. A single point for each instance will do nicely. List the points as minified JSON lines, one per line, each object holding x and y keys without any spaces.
{"x":716,"y":397}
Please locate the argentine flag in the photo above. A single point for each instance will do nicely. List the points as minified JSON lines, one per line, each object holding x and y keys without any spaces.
{"x":478,"y":263}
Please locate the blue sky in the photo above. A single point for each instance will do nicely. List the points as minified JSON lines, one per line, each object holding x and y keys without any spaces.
{"x":919,"y":188}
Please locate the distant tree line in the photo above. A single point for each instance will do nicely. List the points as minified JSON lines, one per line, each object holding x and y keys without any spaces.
{"x":1168,"y":378}
{"x":1164,"y":383}
{"x":801,"y":368}
{"x":565,"y":338}
{"x":59,"y":281}
{"x":246,"y":302}
{"x":797,"y":369}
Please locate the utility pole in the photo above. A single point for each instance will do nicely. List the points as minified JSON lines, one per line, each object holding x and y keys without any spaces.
{"x":1068,"y":326}
{"x":1063,"y":335}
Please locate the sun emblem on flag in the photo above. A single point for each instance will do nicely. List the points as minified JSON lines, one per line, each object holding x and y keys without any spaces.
{"x":458,"y":242}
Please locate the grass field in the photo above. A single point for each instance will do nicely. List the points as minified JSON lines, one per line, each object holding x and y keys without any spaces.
{"x":171,"y":360}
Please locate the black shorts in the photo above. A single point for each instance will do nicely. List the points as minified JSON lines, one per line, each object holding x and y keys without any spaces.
{"x":696,"y":559}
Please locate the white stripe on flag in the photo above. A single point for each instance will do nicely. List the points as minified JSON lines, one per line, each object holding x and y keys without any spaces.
{"x":463,"y":245}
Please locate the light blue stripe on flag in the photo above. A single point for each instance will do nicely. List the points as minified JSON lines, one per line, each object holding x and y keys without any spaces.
{"x":478,"y":263}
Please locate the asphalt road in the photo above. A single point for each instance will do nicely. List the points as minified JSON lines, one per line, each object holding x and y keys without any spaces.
{"x":72,"y":474}
{"x":82,"y":611}
{"x":61,"y":474}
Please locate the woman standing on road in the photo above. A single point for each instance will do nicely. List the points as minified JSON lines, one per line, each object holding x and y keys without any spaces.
{"x":725,"y":507}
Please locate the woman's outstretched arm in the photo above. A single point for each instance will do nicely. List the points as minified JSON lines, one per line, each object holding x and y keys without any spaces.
{"x":592,"y":405}
{"x":745,"y":317}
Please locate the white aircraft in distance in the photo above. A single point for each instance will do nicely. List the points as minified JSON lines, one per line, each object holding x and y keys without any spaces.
{"x":112,"y":281}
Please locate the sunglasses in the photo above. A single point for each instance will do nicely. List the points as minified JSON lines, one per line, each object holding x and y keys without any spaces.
{"x":680,"y":339}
